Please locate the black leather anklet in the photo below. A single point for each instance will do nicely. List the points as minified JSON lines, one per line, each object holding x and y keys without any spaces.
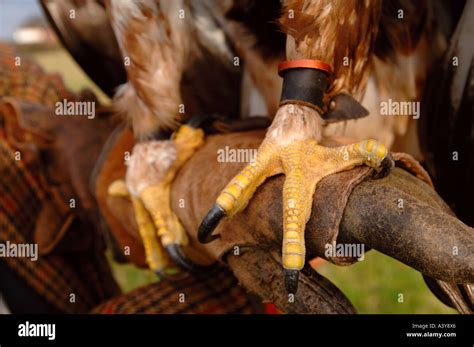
{"x":304,"y":82}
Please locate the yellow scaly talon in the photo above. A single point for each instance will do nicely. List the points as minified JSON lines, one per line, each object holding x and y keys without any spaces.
{"x":155,"y":256}
{"x":305,"y":163}
{"x":150,"y":173}
{"x":118,"y":188}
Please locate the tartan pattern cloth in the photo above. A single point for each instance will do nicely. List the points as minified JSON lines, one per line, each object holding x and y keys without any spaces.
{"x":54,"y":276}
{"x":28,"y":81}
{"x":87,"y":274}
{"x":213,"y":293}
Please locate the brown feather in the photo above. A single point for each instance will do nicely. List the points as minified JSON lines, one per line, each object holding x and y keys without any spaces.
{"x":158,"y":44}
{"x":331,"y":30}
{"x":400,"y":35}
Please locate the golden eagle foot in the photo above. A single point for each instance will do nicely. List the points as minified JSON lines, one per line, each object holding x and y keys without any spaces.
{"x":151,"y":170}
{"x":304,"y":163}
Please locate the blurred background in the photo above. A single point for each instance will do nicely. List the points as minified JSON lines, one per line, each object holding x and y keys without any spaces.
{"x":378,"y":284}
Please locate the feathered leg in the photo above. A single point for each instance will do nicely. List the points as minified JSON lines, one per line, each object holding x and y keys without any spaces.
{"x":334,"y":32}
{"x":156,"y":44}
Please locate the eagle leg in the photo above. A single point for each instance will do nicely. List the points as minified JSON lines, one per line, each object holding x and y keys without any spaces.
{"x":151,"y":171}
{"x":304,"y":163}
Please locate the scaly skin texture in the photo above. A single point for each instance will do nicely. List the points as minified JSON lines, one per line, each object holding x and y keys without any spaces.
{"x":155,"y":256}
{"x":304,"y":164}
{"x":151,"y":197}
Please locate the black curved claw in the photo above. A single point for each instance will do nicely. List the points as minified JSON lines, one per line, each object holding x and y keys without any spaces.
{"x":385,"y":167}
{"x":291,"y":281}
{"x":177,"y":255}
{"x":209,"y":223}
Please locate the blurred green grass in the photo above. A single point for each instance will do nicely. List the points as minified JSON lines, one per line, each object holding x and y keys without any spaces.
{"x":129,"y":276}
{"x":373,"y":285}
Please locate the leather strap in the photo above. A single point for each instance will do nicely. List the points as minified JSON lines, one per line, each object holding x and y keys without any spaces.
{"x":305,"y":81}
{"x":303,"y":85}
